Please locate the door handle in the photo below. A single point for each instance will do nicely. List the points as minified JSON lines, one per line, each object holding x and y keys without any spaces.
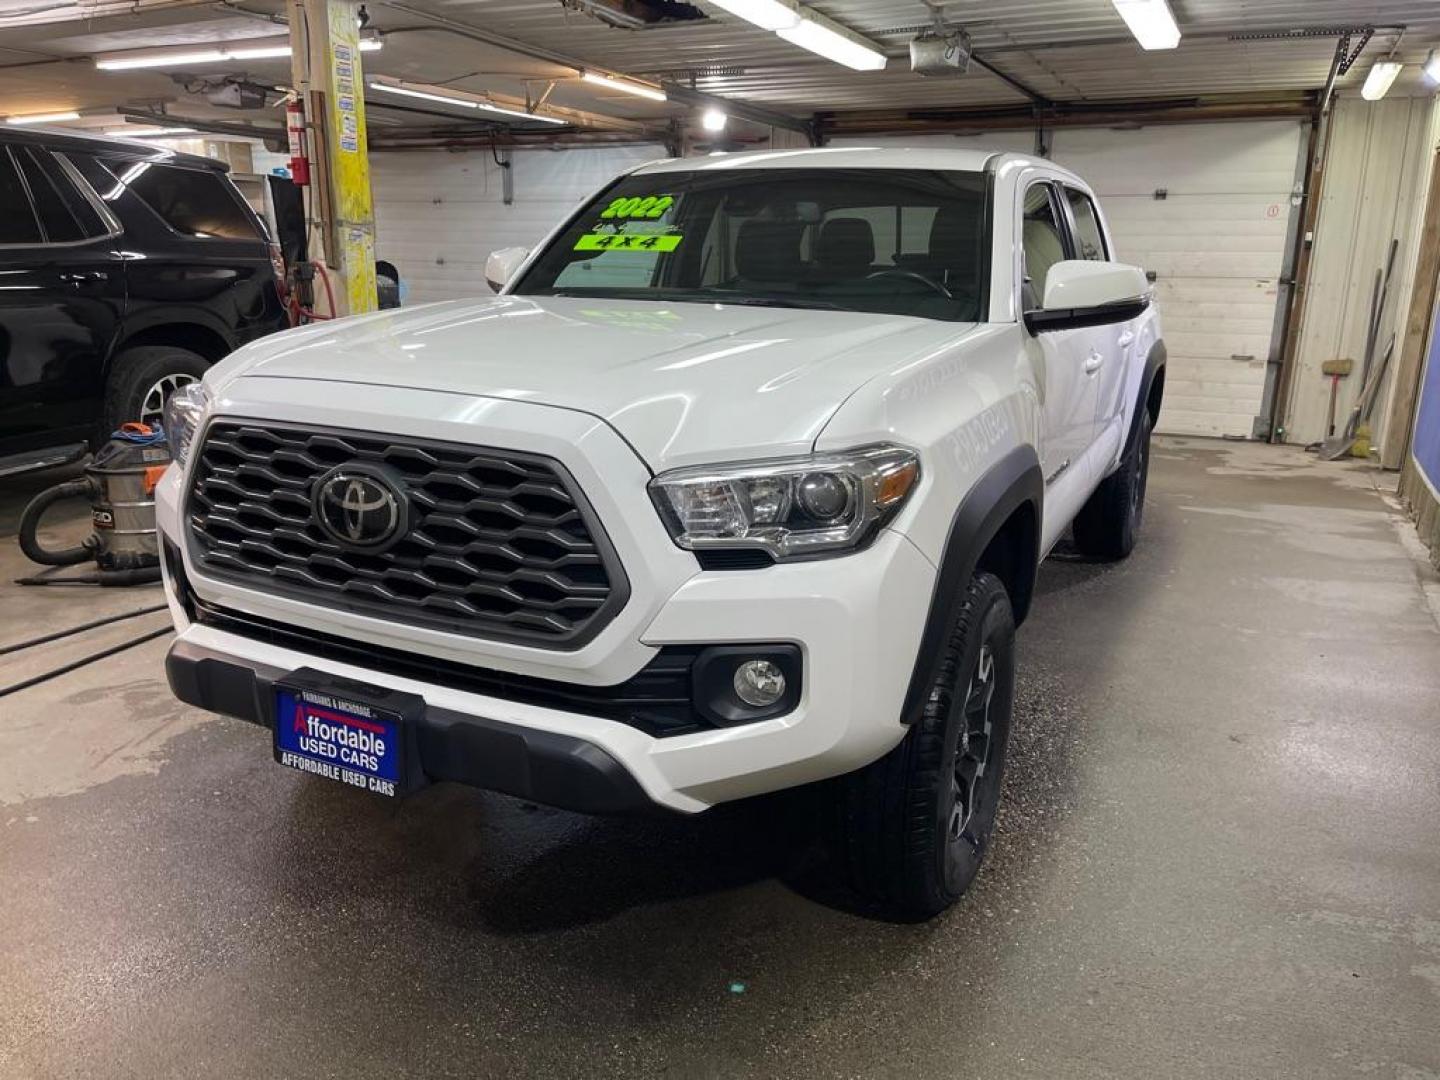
{"x":1093,"y":363}
{"x":1126,"y":338}
{"x":86,"y":275}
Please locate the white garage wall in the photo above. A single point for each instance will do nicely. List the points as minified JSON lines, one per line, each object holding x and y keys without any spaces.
{"x":1216,"y":243}
{"x":438,"y":214}
{"x":1374,"y":185}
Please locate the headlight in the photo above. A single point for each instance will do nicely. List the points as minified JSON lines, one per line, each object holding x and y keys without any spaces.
{"x":183,"y":412}
{"x":827,"y":504}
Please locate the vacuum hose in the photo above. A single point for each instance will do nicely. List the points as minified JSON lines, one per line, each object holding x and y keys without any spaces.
{"x":30,"y":526}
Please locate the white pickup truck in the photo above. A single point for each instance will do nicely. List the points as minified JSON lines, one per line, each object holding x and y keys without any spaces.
{"x":740,"y":483}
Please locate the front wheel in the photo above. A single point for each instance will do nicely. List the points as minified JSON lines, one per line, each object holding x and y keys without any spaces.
{"x":914,"y":827}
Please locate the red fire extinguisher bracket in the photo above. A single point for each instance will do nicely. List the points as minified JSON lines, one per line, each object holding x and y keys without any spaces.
{"x":295,"y":131}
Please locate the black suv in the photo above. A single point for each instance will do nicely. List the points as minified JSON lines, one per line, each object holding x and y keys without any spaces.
{"x":125,"y":271}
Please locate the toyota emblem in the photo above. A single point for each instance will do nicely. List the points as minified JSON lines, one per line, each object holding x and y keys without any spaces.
{"x":360,"y":507}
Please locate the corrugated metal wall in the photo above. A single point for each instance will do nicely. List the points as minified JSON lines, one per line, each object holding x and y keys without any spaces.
{"x":438,"y":215}
{"x":1373,"y":190}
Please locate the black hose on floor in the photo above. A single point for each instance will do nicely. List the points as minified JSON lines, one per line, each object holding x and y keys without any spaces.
{"x":28,"y":534}
{"x":21,"y":645}
{"x":67,"y":668}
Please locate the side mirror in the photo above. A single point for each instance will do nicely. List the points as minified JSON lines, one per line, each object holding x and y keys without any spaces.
{"x":1079,"y":292}
{"x":500,"y":267}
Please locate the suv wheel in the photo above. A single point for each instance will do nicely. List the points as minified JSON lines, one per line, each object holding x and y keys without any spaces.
{"x":1108,"y":524}
{"x":141,"y":382}
{"x":914,"y":827}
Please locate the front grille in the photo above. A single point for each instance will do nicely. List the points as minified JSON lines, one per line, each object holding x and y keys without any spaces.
{"x":657,"y":699}
{"x":499,"y":544}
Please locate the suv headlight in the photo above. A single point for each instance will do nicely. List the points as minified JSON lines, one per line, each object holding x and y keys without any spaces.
{"x":826,"y":504}
{"x":183,"y":413}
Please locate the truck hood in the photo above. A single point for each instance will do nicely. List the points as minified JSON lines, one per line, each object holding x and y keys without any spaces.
{"x":682,"y":383}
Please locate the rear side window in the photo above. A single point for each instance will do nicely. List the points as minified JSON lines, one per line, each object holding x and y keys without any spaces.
{"x":1089,"y":238}
{"x":17,"y":220}
{"x":194,"y":202}
{"x":68,"y":185}
{"x":55,"y":216}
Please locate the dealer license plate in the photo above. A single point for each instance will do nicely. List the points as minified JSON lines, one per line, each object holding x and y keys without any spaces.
{"x":319,"y":731}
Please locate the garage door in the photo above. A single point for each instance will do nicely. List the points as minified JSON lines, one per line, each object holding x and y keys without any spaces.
{"x":1215,"y":240}
{"x":438,"y":215}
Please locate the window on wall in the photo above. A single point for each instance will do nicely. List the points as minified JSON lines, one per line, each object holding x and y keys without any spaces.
{"x":1089,"y":238}
{"x":17,"y":220}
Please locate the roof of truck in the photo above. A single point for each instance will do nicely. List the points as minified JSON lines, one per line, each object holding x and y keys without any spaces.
{"x":848,"y":157}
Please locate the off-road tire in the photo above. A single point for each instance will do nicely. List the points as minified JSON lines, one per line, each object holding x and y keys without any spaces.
{"x":896,"y":835}
{"x":1109,"y":523}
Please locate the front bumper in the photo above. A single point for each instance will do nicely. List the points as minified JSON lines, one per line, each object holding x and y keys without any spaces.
{"x":856,"y":620}
{"x":539,"y":765}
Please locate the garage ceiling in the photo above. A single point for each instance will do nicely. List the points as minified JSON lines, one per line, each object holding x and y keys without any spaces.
{"x":1071,"y":51}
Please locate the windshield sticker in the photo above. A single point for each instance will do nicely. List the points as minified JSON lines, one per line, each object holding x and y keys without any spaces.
{"x":628,"y":241}
{"x":647,"y":206}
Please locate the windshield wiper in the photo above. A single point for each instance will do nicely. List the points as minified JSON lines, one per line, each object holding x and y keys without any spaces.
{"x":698,"y":296}
{"x":786,"y":300}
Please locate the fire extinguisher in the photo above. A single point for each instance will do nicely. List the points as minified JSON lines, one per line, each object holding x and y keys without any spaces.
{"x":295,"y":129}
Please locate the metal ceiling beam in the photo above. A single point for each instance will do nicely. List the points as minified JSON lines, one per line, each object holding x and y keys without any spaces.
{"x":212,"y":127}
{"x":685,"y":95}
{"x":1060,"y":115}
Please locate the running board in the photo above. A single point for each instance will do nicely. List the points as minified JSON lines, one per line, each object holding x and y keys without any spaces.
{"x":42,"y":459}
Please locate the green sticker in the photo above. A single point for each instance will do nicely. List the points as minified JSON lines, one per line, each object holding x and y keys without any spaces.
{"x":637,"y":206}
{"x":628,"y":242}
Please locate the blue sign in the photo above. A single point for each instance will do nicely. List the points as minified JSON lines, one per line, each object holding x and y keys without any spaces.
{"x":348,"y":741}
{"x":1426,"y":445}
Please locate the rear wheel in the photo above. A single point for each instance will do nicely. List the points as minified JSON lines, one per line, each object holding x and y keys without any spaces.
{"x":143,"y":380}
{"x":1109,"y":523}
{"x":914,"y":827}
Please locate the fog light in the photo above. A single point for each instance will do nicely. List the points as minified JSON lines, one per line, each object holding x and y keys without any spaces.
{"x":759,"y":683}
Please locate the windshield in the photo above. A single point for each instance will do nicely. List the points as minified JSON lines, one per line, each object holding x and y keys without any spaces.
{"x":889,"y":241}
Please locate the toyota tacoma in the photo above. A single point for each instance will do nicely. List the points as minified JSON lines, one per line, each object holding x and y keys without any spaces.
{"x":740,"y":483}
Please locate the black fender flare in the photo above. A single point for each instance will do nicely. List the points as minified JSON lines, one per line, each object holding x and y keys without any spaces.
{"x":1154,"y":364}
{"x":1013,"y":481}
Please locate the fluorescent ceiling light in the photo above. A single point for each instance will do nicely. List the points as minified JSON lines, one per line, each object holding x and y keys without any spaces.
{"x":766,"y":14}
{"x":485,"y":106}
{"x":713,"y":120}
{"x":834,"y":43}
{"x":1381,"y":78}
{"x":463,"y":102}
{"x":180,"y":56}
{"x":1432,"y":67}
{"x":43,"y":118}
{"x":654,"y":93}
{"x":1150,"y":21}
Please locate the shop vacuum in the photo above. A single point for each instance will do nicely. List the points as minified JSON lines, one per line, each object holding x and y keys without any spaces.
{"x":120,"y":486}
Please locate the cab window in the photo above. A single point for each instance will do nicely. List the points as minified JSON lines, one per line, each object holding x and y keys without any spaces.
{"x":1043,"y":241}
{"x":1089,"y":237}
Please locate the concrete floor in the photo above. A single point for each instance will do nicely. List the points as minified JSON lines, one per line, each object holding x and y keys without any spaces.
{"x":1220,"y":856}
